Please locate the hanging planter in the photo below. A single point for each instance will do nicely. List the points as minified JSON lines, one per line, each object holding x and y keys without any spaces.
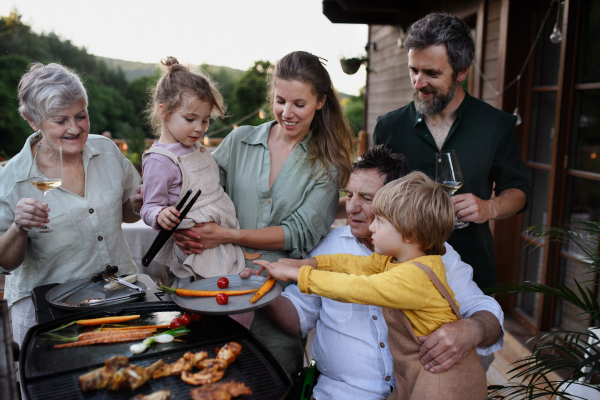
{"x":351,"y":65}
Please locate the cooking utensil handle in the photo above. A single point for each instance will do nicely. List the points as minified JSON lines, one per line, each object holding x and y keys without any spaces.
{"x":164,"y":235}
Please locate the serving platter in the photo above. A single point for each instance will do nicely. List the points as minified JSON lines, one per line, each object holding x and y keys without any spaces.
{"x":92,"y":291}
{"x":236,"y":304}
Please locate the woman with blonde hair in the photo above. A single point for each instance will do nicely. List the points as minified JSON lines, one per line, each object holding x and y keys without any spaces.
{"x":283,"y":177}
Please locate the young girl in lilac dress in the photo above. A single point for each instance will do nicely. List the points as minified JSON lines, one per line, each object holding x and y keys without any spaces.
{"x":184,"y":101}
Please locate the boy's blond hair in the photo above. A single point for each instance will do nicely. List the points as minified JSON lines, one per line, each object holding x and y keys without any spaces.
{"x":419,"y":209}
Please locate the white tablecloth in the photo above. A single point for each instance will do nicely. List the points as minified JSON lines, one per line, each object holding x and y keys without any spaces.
{"x":139,"y":237}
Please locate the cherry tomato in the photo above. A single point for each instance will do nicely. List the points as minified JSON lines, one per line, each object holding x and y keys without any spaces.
{"x":222,"y":283}
{"x":222,"y":299}
{"x":196,"y":317}
{"x":186,"y":319}
{"x":176,"y":323}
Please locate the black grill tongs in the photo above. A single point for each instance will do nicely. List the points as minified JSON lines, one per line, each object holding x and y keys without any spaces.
{"x":164,"y":234}
{"x":96,"y":278}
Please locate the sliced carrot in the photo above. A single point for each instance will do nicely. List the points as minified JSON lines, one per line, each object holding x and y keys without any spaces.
{"x":263,"y":289}
{"x":205,"y":293}
{"x":136,"y":327}
{"x":106,"y":320}
{"x":126,"y":337}
{"x":98,"y":334}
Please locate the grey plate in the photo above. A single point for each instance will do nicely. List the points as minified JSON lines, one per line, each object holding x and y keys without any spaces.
{"x":93,"y":290}
{"x":236,"y":304}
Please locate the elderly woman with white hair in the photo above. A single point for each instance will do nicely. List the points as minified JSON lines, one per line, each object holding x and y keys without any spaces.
{"x":86,"y":211}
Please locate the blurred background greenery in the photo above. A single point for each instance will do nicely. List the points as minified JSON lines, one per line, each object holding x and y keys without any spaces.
{"x":118,"y":89}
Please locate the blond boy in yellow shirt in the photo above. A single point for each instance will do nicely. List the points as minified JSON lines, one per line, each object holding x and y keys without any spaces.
{"x":406,"y":277}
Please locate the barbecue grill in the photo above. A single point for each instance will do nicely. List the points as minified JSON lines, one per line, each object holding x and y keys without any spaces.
{"x":47,"y":373}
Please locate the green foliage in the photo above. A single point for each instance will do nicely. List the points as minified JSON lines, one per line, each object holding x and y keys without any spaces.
{"x":354,"y":108}
{"x":112,"y":101}
{"x":567,"y":351}
{"x":136,"y":143}
{"x":250,"y":92}
{"x":14,"y":130}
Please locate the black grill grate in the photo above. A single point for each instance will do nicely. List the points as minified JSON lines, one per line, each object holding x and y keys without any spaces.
{"x":255,"y":367}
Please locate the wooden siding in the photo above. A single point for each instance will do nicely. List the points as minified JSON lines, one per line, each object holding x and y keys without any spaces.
{"x":389,"y":81}
{"x":389,"y":84}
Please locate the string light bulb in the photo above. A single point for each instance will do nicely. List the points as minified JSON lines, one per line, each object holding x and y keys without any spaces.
{"x":516,"y":114}
{"x":261,"y":114}
{"x":206,"y":141}
{"x":556,"y":35}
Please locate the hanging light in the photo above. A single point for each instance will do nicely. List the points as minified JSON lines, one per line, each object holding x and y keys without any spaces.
{"x":516,"y":114}
{"x":556,"y":35}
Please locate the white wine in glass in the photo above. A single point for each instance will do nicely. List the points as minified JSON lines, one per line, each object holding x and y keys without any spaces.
{"x":449,"y":176}
{"x":45,"y":174}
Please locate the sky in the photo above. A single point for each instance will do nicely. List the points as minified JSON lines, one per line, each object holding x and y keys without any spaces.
{"x":232,"y":33}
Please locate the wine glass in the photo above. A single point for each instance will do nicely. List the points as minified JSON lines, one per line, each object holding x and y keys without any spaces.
{"x":449,"y":176}
{"x":45,"y":174}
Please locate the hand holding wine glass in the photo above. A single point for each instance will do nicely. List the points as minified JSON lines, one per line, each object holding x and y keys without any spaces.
{"x":449,"y":176}
{"x":45,"y":174}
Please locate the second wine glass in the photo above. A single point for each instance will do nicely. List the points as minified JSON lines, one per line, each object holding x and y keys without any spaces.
{"x":46,"y":174}
{"x":449,"y":176}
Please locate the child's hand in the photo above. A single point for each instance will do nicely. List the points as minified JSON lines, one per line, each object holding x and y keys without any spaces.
{"x":299,"y":263}
{"x":168,"y":218}
{"x":281,"y":271}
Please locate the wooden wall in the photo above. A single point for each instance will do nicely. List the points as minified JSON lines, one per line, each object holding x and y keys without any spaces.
{"x":388,"y":83}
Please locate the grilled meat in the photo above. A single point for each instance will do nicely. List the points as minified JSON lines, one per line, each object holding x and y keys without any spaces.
{"x":229,"y":352}
{"x":204,"y":377}
{"x":137,"y":376}
{"x":101,"y":377}
{"x":220,"y":391}
{"x":116,"y":374}
{"x":159,"y":395}
{"x":185,"y":363}
{"x":213,"y":369}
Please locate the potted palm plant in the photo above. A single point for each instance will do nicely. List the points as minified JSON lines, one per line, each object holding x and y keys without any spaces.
{"x":576,"y":354}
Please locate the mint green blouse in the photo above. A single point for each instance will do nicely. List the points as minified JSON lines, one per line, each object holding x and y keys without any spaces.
{"x":304,"y":205}
{"x":87,"y":230}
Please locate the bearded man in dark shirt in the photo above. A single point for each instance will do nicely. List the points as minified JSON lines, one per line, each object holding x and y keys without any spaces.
{"x":443,"y":116}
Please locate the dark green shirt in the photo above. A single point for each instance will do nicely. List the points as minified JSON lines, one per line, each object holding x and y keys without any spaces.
{"x":487,"y":149}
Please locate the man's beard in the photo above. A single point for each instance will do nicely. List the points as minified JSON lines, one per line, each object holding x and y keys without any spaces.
{"x":436,"y":103}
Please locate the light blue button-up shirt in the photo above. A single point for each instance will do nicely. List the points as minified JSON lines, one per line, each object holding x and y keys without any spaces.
{"x":87,"y":230}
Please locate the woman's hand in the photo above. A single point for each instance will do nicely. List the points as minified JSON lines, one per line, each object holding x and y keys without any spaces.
{"x":247,"y":272}
{"x":137,"y":200}
{"x":202,"y":237}
{"x":281,"y":271}
{"x":31,"y":213}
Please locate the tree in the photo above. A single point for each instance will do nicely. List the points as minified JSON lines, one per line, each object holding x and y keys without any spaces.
{"x":250,"y":92}
{"x":14,"y":130}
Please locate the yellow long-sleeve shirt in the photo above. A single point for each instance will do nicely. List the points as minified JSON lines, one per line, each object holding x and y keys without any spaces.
{"x":376,"y":280}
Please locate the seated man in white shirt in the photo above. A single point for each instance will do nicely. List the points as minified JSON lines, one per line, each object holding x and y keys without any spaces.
{"x":351,"y":344}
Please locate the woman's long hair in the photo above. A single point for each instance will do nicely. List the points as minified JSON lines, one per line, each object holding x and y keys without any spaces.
{"x":331,"y":140}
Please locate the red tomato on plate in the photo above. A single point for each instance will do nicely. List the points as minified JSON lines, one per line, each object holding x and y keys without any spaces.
{"x":222,"y":299}
{"x":186,"y":319}
{"x":222,"y":283}
{"x":176,"y":323}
